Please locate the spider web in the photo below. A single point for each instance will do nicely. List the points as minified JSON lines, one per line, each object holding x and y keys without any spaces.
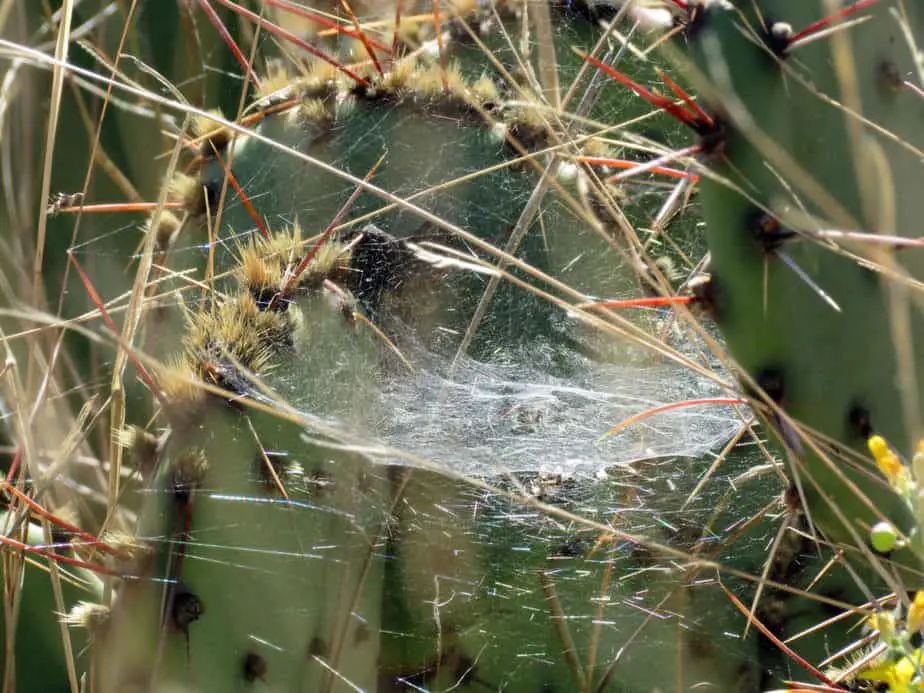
{"x":526,"y":408}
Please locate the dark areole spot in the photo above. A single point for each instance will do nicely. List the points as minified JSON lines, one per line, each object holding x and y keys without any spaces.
{"x":317,"y":647}
{"x":185,"y":608}
{"x":254,"y":667}
{"x":859,"y":421}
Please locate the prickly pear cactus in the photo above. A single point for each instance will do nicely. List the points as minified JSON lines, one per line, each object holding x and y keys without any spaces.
{"x":287,"y":551}
{"x":814,"y":131}
{"x":287,"y":554}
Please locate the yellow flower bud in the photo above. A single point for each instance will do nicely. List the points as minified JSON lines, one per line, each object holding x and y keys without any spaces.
{"x":891,"y":466}
{"x":877,"y":446}
{"x":916,"y":612}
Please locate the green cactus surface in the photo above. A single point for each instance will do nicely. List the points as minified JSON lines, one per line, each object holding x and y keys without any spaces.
{"x":808,"y":137}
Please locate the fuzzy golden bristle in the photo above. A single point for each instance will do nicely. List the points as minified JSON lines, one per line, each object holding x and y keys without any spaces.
{"x":431,"y":85}
{"x":131,"y":556}
{"x":276,"y":86}
{"x":242,"y":334}
{"x":528,"y":116}
{"x":412,"y":34}
{"x":485,"y":91}
{"x":190,"y":467}
{"x":314,"y":85}
{"x":267,"y":263}
{"x":331,"y":261}
{"x":264,"y":261}
{"x":143,"y":446}
{"x":455,"y":82}
{"x":165,"y":232}
{"x":223,"y":348}
{"x":320,"y":78}
{"x":238,"y":335}
{"x":398,"y":79}
{"x":215,"y":136}
{"x":190,"y":193}
{"x":427,"y":81}
{"x":257,"y":273}
{"x":595,"y":146}
{"x":180,"y":389}
{"x":313,"y":110}
{"x":285,"y":243}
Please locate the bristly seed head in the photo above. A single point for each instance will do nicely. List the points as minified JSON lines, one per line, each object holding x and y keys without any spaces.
{"x":131,"y":556}
{"x":180,"y":388}
{"x":276,"y":86}
{"x":228,"y":345}
{"x":88,"y":615}
{"x":268,"y":263}
{"x":237,"y":338}
{"x":198,"y":198}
